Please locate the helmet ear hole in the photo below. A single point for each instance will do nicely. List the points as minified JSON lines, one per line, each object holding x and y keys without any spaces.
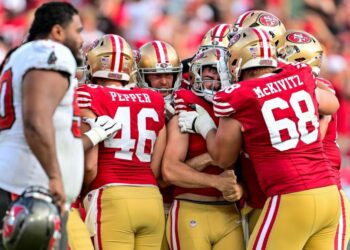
{"x":234,"y":62}
{"x":301,"y":59}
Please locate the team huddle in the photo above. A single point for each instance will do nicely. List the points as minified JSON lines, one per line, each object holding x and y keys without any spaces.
{"x":234,"y":148}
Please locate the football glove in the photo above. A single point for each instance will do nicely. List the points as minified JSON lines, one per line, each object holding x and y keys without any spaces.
{"x":225,"y":76}
{"x":102,"y":127}
{"x":198,"y":121}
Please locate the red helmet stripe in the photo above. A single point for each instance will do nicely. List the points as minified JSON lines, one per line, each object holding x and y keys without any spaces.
{"x":120,"y":46}
{"x":113,"y":51}
{"x":268,"y":42}
{"x":264,"y":42}
{"x":155,"y":46}
{"x":260,"y":41}
{"x":215,"y":31}
{"x":241,"y":18}
{"x":223,"y":30}
{"x":165,"y":52}
{"x":161,"y":51}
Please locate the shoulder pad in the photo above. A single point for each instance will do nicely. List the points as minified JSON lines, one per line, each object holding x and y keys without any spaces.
{"x":47,"y":54}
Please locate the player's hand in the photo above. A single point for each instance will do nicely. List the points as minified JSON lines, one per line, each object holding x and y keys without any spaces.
{"x":57,"y":191}
{"x":198,"y":121}
{"x":102,"y":127}
{"x":187,"y":121}
{"x":225,"y":76}
{"x":236,"y":194}
{"x":227,"y":183}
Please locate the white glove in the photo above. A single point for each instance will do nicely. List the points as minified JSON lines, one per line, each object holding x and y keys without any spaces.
{"x":102,"y":127}
{"x":225,"y":76}
{"x":198,"y":121}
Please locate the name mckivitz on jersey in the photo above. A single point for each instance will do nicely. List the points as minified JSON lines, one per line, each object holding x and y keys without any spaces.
{"x":278,"y":86}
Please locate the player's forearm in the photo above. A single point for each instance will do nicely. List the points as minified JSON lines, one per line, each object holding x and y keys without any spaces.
{"x":89,"y":176}
{"x":87,"y":143}
{"x":200,"y":162}
{"x":182,"y":175}
{"x":40,"y":136}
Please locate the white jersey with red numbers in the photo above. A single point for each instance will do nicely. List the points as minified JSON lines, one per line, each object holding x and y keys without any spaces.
{"x":125,"y":159}
{"x":16,"y":159}
{"x":280,"y":127}
{"x":329,"y":141}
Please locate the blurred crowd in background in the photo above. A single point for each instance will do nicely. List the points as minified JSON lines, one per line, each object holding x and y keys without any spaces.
{"x":183,"y":23}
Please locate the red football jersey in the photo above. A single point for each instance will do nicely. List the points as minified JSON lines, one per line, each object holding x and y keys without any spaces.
{"x":255,"y":195}
{"x":125,"y":158}
{"x":280,"y":129}
{"x":186,"y":100}
{"x":330,"y":145}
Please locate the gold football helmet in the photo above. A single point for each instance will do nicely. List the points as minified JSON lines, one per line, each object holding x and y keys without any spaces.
{"x":157,"y":57}
{"x":217,"y":37}
{"x":210,"y":57}
{"x":300,"y":46}
{"x":250,"y":48}
{"x":110,"y":57}
{"x":263,"y":20}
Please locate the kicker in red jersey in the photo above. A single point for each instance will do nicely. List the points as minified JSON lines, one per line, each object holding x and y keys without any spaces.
{"x":185,"y":100}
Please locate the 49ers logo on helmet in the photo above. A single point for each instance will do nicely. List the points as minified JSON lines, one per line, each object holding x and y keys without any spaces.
{"x":298,"y":37}
{"x":268,"y":20}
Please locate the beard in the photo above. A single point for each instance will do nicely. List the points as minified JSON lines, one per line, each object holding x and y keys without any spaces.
{"x":75,"y":49}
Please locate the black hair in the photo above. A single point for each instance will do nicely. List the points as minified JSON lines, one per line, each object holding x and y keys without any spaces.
{"x":48,"y":15}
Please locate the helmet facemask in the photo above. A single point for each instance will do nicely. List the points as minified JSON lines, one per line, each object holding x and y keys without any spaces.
{"x":205,"y":88}
{"x":158,"y":57}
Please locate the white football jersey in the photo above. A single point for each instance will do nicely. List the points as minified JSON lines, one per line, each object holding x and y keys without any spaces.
{"x":18,"y":166}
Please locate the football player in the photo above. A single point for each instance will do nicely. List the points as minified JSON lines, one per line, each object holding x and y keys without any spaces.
{"x":255,"y":197}
{"x":40,"y":126}
{"x":124,"y":205}
{"x":272,"y":115}
{"x":200,"y":217}
{"x":300,"y":46}
{"x":159,"y":68}
{"x":40,"y":141}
